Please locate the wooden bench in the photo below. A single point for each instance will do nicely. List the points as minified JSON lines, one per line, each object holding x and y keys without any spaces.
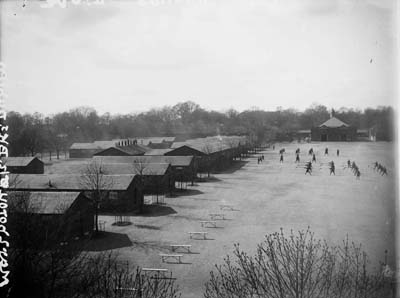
{"x":226,"y":207}
{"x":170,"y":256}
{"x":215,"y":216}
{"x":126,"y":289}
{"x":102,"y":225}
{"x":175,"y":247}
{"x":208,"y":223}
{"x":156,"y":270}
{"x":198,"y":233}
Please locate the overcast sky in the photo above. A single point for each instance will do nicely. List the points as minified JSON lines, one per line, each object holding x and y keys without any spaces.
{"x":128,"y":56}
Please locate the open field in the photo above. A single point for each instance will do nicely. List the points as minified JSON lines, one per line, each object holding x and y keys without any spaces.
{"x":266,"y":197}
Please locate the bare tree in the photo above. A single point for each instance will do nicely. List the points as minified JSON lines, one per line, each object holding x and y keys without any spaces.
{"x":234,"y":147}
{"x":98,"y":184}
{"x":45,"y":268}
{"x":141,"y":167}
{"x":117,"y":279}
{"x":208,"y":150}
{"x":297,"y":266}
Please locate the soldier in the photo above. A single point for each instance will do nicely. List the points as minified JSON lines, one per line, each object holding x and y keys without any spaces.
{"x":313,"y":158}
{"x":326,"y":151}
{"x":308,"y":168}
{"x":348,"y":163}
{"x":273,"y":147}
{"x":262,"y":157}
{"x":297,"y":157}
{"x":358,"y":174}
{"x":311,"y":151}
{"x":379,"y":168}
{"x":332,"y":168}
{"x":337,"y":152}
{"x":384,"y":171}
{"x":281,"y":158}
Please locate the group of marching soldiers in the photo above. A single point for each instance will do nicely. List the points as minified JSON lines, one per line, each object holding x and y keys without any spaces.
{"x":260,"y":159}
{"x":308,"y":166}
{"x":380,"y":168}
{"x":354,"y":168}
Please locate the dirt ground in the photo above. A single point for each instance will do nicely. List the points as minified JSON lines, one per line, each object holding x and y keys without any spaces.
{"x":267,"y":197}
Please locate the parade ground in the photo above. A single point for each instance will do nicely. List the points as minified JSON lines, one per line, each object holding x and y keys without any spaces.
{"x":265,"y":197}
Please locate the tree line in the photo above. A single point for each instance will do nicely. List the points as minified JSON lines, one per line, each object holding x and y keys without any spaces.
{"x":34,"y":133}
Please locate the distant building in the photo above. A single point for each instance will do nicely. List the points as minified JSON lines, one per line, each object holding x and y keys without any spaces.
{"x":132,"y":150}
{"x":24,"y":165}
{"x":211,"y":153}
{"x":367,"y":134}
{"x":333,"y":130}
{"x":117,"y":147}
{"x":156,"y":142}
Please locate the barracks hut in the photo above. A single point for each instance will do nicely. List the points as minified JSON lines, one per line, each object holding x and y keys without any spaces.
{"x":24,"y":165}
{"x":55,"y":214}
{"x":333,"y":130}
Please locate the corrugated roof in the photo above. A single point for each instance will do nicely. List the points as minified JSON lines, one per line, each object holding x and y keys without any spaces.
{"x":45,"y":202}
{"x":173,"y":160}
{"x":334,"y":122}
{"x":67,"y":181}
{"x":18,"y":161}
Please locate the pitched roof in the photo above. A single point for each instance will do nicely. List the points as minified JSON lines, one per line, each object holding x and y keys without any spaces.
{"x":100,"y":146}
{"x":157,"y":151}
{"x":154,"y":140}
{"x":110,"y":168}
{"x":129,"y":150}
{"x":211,"y":144}
{"x":66,"y":182}
{"x":173,"y":160}
{"x":19,"y":161}
{"x":48,"y":202}
{"x":334,"y":122}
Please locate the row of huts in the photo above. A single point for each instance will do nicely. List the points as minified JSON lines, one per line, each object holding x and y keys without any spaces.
{"x":121,"y":172}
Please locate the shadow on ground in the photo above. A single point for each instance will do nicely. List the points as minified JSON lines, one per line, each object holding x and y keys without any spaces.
{"x":148,"y":227}
{"x":156,"y":210}
{"x":148,"y":246}
{"x":107,"y":240}
{"x":236,"y":165}
{"x":208,"y":179}
{"x":187,"y":192}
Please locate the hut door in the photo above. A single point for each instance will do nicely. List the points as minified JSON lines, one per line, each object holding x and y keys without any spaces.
{"x":324,"y":138}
